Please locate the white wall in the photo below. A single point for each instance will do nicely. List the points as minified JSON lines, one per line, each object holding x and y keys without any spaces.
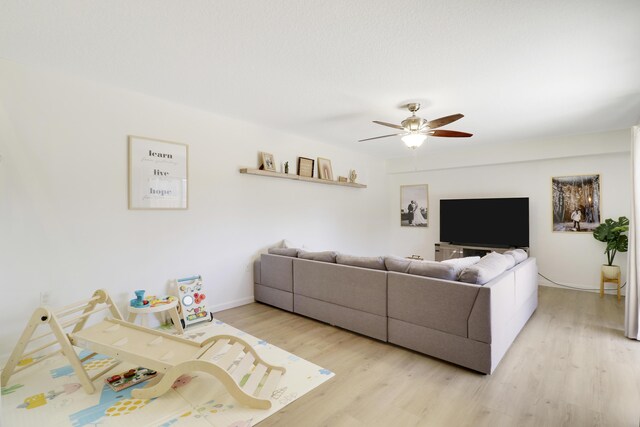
{"x":567,"y":258}
{"x":64,"y":223}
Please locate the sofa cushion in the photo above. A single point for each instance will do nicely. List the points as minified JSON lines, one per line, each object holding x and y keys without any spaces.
{"x":326,"y":256}
{"x":276,"y":272}
{"x":360,"y":289}
{"x":374,"y":262}
{"x":518,"y":254}
{"x":460,"y":264}
{"x":396,"y":263}
{"x":292,"y":252}
{"x":433,"y":269}
{"x":490,"y":266}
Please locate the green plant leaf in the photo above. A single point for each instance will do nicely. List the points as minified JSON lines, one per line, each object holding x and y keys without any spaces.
{"x":622,"y":244}
{"x":611,"y":233}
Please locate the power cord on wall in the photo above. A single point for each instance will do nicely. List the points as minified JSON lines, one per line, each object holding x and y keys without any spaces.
{"x":574,"y":287}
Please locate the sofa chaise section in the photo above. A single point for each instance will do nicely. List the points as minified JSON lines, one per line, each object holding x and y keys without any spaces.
{"x":350,"y":297}
{"x":469,"y":325}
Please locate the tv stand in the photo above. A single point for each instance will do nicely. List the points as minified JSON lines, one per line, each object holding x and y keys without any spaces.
{"x":449,"y":250}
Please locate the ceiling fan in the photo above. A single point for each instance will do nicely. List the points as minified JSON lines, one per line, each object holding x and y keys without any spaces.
{"x":416,"y":129}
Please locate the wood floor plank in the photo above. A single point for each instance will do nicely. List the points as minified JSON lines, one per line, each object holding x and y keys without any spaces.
{"x":570,"y":366}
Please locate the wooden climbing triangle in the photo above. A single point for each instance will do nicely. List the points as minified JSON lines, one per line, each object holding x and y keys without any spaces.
{"x":234,"y":362}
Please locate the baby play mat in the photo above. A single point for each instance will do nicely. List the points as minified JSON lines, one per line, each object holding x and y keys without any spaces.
{"x":49,"y":394}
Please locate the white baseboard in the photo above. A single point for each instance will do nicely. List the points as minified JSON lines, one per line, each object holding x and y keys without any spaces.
{"x":607,"y":290}
{"x":231,"y":304}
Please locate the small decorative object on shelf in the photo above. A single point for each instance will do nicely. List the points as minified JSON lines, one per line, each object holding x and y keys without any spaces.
{"x":266,"y":162}
{"x":286,"y":167}
{"x":353,"y":175}
{"x":324,"y":169}
{"x":342,"y":179}
{"x":305,"y":167}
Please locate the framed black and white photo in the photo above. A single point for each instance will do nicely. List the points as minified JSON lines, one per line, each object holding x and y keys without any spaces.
{"x":266,"y":162}
{"x":575,"y":203}
{"x":158,"y":174}
{"x":414,"y":205}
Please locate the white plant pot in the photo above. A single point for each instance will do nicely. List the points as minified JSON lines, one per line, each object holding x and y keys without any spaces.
{"x":610,"y":271}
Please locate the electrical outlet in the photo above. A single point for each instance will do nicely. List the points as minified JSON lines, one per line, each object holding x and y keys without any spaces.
{"x":45,"y":298}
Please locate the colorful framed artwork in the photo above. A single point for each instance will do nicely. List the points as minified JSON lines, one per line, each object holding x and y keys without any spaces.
{"x":158,"y":174}
{"x":324,"y":169}
{"x":414,"y":205}
{"x":575,"y":202}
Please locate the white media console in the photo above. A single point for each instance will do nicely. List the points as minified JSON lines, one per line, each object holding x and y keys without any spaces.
{"x":448,"y":250}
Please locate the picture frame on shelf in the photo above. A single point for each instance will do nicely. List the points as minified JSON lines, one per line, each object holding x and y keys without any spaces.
{"x":305,"y":167}
{"x":414,"y":205}
{"x":575,"y":202}
{"x":324,"y":169}
{"x":158,"y":174}
{"x":266,"y":162}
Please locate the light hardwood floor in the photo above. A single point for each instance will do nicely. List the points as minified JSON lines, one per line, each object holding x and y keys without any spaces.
{"x":570,"y":366}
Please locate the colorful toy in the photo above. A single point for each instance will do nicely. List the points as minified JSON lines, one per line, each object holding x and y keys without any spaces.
{"x":192,"y":297}
{"x":130,"y":378}
{"x":235,"y":363}
{"x":154,"y":301}
{"x":155,"y":306}
{"x":139,"y":300}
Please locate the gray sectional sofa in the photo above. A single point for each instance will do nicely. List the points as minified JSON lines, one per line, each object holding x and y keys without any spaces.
{"x":468,"y":324}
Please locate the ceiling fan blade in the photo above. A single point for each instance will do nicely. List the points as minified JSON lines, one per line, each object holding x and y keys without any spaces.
{"x":389,"y":125}
{"x":433,"y":124}
{"x":378,"y":137}
{"x":449,"y":133}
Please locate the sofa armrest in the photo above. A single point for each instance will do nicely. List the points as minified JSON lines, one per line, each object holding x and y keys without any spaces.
{"x":493,"y":308}
{"x":256,"y":271}
{"x":526,"y":280}
{"x":500,"y":299}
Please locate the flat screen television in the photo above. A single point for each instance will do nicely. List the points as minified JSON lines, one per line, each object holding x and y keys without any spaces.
{"x":485,"y":222}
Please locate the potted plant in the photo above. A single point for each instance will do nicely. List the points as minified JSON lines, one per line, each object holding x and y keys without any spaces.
{"x":612,"y":233}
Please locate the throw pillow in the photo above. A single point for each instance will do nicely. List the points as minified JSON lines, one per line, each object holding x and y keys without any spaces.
{"x":326,"y":256}
{"x":460,"y":264}
{"x":489,"y":267}
{"x":375,"y":262}
{"x":292,"y":252}
{"x":396,"y":263}
{"x":434,"y":269}
{"x":510,"y":260}
{"x":291,"y":245}
{"x":518,"y":254}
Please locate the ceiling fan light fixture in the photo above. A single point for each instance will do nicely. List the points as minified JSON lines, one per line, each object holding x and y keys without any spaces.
{"x":414,"y":140}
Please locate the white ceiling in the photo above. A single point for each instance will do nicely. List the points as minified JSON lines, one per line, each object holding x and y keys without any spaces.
{"x":518,"y":70}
